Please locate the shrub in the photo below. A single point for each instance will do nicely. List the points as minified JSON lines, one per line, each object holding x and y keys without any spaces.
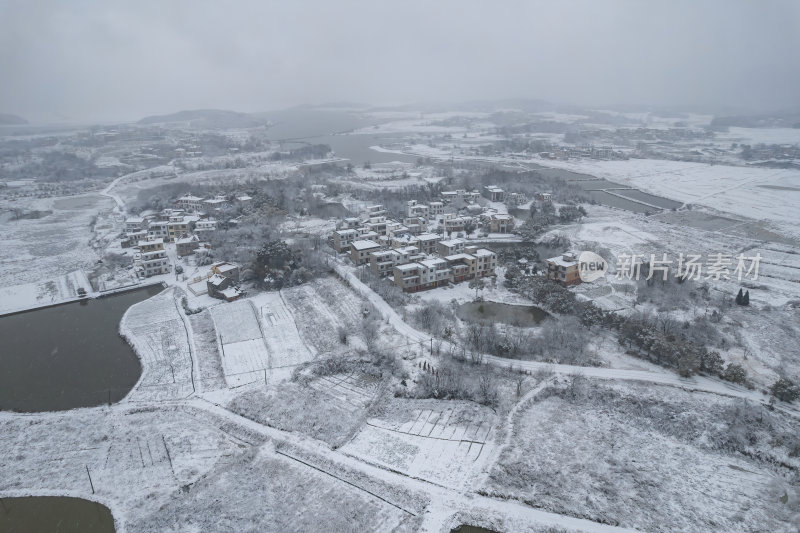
{"x":785,"y":390}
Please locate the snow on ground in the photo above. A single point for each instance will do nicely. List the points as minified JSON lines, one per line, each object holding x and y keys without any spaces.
{"x":645,"y":457}
{"x":281,"y":335}
{"x":754,"y":136}
{"x":329,"y":408}
{"x":442,"y":442}
{"x":764,"y":327}
{"x":265,"y":491}
{"x":47,"y":292}
{"x":131,"y":454}
{"x":155,"y":329}
{"x":428,"y":125}
{"x":258,"y":336}
{"x":128,"y":187}
{"x":208,"y":353}
{"x":60,"y":241}
{"x":754,"y":192}
{"x":244,"y":352}
{"x":494,"y":291}
{"x":321,"y":308}
{"x":314,"y":226}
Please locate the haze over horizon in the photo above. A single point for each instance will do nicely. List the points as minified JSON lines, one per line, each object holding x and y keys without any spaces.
{"x":98,"y":61}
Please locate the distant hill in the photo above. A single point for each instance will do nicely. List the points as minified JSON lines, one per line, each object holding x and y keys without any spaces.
{"x":207,"y":118}
{"x":8,"y":119}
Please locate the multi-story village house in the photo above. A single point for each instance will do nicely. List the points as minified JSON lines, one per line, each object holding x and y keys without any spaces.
{"x":343,"y":238}
{"x":190,"y":203}
{"x":450,"y":247}
{"x":564,"y":269}
{"x":151,"y":259}
{"x":360,"y":250}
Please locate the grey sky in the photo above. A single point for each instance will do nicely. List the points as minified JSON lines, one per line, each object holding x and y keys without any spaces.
{"x":101,"y":60}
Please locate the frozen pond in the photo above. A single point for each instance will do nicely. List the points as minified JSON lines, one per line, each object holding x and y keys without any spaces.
{"x":69,"y":355}
{"x":515,"y":315}
{"x":54,"y":514}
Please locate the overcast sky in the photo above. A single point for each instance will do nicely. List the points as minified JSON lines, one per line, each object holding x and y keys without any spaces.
{"x":113,"y":60}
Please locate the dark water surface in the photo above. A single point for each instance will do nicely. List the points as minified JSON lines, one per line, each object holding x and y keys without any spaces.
{"x":69,"y":355}
{"x":54,"y":514}
{"x":516,"y":315}
{"x":471,"y":529}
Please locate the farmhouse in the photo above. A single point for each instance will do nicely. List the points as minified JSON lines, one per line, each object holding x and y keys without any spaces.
{"x":343,"y":238}
{"x":187,"y":245}
{"x":190,"y":203}
{"x":450,"y":247}
{"x":494,"y":193}
{"x":151,"y":260}
{"x":360,"y":250}
{"x":564,"y":269}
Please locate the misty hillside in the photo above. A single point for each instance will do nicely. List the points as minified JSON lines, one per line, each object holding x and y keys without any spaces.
{"x":207,"y":118}
{"x":9,"y":119}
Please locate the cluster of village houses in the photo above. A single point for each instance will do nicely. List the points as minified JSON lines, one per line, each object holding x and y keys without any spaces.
{"x":414,"y":256}
{"x":418,"y":252}
{"x":187,"y":225}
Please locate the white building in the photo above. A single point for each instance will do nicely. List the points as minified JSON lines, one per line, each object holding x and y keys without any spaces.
{"x":190,"y":203}
{"x":151,"y":259}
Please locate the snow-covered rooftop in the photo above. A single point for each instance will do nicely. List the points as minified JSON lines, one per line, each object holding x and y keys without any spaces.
{"x":407,"y":267}
{"x":458,"y":257}
{"x":365,"y":245}
{"x":217,"y":280}
{"x":565,"y":260}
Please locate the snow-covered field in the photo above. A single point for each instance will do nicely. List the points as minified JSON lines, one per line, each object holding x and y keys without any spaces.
{"x":753,"y":192}
{"x":46,"y":292}
{"x":32,"y":250}
{"x":258,"y":336}
{"x":156,"y":330}
{"x":442,"y":442}
{"x":244,"y":352}
{"x":320,"y":308}
{"x":649,"y":458}
{"x":132,"y":455}
{"x":329,"y":408}
{"x":281,"y":335}
{"x":759,"y":135}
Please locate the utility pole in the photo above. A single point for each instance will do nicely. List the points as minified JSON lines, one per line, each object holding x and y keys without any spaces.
{"x":90,"y":478}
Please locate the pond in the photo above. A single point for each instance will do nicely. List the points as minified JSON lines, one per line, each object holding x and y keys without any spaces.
{"x":515,"y":315}
{"x":69,"y":355}
{"x":471,"y":529}
{"x":51,"y":514}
